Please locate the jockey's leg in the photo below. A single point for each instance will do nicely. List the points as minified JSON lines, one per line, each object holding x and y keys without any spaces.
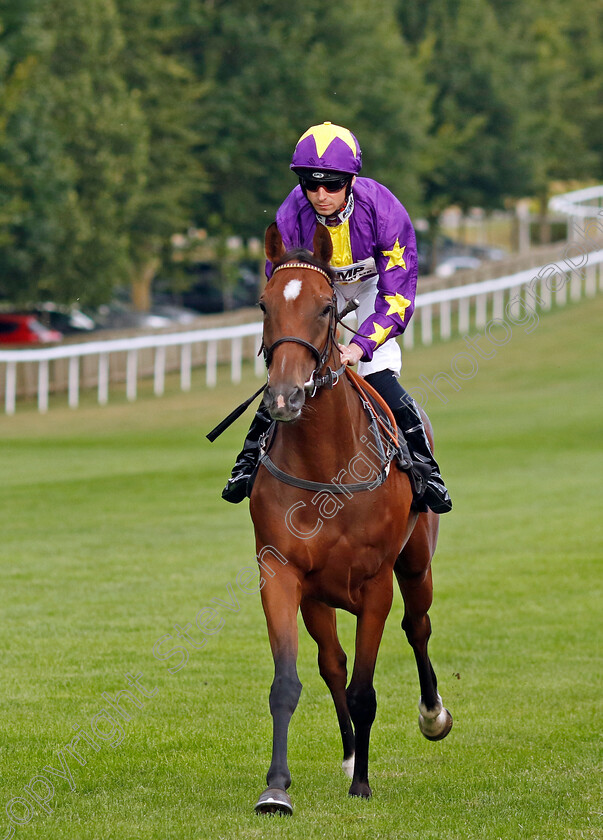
{"x":407,"y":416}
{"x":237,"y":485}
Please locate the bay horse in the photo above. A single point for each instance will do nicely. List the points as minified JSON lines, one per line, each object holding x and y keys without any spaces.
{"x":323,"y":541}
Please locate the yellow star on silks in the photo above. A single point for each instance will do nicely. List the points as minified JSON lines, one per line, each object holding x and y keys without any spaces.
{"x":380,"y":334}
{"x":397,"y":305}
{"x":325,"y":134}
{"x":396,"y":256}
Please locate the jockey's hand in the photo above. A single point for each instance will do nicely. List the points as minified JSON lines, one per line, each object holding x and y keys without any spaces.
{"x":351,"y":354}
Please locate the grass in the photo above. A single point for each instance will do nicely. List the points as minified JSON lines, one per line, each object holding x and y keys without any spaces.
{"x":113,"y":532}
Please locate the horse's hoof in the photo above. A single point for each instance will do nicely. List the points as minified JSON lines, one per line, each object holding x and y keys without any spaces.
{"x":274,"y":801}
{"x":361,"y":789}
{"x":347,"y":765}
{"x":435,"y":724}
{"x":444,"y":720}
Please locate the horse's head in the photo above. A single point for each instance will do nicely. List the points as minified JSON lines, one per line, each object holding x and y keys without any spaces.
{"x":299,"y":319}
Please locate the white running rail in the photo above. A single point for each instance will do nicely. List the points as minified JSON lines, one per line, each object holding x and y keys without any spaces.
{"x":586,"y":203}
{"x":456,"y":309}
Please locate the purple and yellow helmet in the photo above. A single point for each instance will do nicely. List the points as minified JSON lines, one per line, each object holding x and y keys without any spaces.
{"x":327,"y":148}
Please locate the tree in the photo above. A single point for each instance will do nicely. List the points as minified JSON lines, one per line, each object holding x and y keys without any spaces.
{"x":558,"y":64}
{"x":475,"y":150}
{"x":99,"y":164}
{"x":160,"y":78}
{"x":104,"y":136}
{"x":123,"y":122}
{"x":271,"y":70}
{"x":367,"y":78}
{"x":474,"y":154}
{"x":33,"y":172}
{"x":584,"y":27}
{"x":255,"y":65}
{"x":73,"y":151}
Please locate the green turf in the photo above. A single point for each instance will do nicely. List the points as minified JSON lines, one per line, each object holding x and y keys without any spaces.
{"x":113,"y":532}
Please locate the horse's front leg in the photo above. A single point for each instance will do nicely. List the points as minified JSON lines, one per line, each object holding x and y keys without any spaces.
{"x":281,"y":597}
{"x":321,"y":623}
{"x":361,"y":698}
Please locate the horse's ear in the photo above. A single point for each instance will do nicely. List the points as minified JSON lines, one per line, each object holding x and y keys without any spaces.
{"x":322,"y":244}
{"x":273,"y":243}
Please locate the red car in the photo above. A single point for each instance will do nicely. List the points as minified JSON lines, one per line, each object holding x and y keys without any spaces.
{"x":25,"y":329}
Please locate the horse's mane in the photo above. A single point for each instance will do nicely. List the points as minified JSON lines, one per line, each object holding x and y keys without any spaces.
{"x":305,"y":256}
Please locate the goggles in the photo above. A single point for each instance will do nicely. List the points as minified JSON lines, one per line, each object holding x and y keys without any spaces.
{"x":331,"y":186}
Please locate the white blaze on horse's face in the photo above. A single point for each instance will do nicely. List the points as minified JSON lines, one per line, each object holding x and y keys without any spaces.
{"x":292,"y":289}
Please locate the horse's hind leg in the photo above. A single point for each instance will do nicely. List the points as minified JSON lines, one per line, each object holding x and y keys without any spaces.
{"x":321,"y":623}
{"x":362,"y":703}
{"x":413,"y":572}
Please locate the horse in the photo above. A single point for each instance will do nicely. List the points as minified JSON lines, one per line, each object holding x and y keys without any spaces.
{"x":325,"y":543}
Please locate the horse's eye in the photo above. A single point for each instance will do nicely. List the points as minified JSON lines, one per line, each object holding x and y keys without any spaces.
{"x":326,"y":311}
{"x":262,"y":307}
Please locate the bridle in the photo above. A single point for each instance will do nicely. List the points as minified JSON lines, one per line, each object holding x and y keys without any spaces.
{"x":331,"y":377}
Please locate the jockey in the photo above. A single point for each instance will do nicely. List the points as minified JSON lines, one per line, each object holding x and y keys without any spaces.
{"x":375,"y":258}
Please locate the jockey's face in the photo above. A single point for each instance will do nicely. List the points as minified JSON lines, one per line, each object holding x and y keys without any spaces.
{"x":326,"y":203}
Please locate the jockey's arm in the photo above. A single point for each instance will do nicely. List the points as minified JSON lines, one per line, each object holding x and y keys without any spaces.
{"x":351,"y":354}
{"x":396,"y":261}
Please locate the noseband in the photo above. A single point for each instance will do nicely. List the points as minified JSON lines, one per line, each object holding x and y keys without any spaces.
{"x":315,"y":381}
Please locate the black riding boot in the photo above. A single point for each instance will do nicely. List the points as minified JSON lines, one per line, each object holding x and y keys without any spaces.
{"x":409,"y":420}
{"x":236,"y":486}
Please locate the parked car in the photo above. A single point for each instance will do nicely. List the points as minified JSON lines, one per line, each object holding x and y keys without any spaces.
{"x":16,"y":328}
{"x":67,"y":320}
{"x":453,"y":264}
{"x":176,"y":314}
{"x":487,"y":252}
{"x":447,"y":249}
{"x":119,"y":316}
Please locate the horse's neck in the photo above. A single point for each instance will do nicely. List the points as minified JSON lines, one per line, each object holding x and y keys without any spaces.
{"x":326,"y":437}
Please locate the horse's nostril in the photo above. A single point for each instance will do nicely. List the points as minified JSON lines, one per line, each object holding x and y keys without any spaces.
{"x":296,"y":399}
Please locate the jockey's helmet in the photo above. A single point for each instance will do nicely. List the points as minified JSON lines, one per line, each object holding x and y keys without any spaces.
{"x":328,"y":149}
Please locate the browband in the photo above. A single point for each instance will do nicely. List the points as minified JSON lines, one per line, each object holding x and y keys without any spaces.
{"x":303,"y":265}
